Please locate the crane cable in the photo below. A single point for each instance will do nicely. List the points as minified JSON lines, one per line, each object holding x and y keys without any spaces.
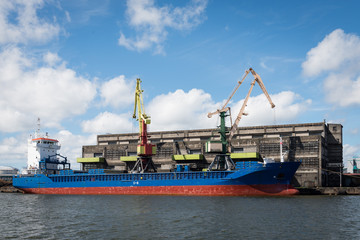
{"x":274,"y":114}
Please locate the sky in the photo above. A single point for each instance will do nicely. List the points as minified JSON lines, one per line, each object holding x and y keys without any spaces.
{"x":74,"y":65}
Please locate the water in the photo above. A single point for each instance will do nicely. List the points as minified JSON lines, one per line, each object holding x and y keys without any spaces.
{"x":167,"y":217}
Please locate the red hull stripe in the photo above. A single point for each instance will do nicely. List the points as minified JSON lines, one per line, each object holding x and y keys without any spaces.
{"x":47,"y":139}
{"x":214,"y":190}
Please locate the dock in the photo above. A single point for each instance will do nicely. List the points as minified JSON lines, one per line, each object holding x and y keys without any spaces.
{"x":330,"y":191}
{"x":7,"y":187}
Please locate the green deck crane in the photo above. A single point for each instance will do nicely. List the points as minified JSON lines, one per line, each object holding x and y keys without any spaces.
{"x":222,"y":160}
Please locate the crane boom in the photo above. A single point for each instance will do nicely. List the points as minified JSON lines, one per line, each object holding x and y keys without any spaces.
{"x":222,"y":160}
{"x":262,"y":86}
{"x":257,"y":79}
{"x":238,"y":118}
{"x":224,"y":108}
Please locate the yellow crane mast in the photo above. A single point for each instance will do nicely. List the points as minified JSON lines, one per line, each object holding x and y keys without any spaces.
{"x":145,"y":150}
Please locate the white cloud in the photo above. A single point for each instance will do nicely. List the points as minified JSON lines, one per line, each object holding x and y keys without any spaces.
{"x":188,"y":110}
{"x":71,"y":145}
{"x":342,"y":89}
{"x":288,"y":106}
{"x":350,"y":151}
{"x":107,"y":122}
{"x":51,"y":59}
{"x":13,"y":151}
{"x":338,"y":56}
{"x":67,"y":15}
{"x":19,"y":23}
{"x":263,"y":65}
{"x":12,"y":119}
{"x":28,"y":91}
{"x":181,"y":110}
{"x":151,"y":22}
{"x":118,"y":92}
{"x":335,"y":51}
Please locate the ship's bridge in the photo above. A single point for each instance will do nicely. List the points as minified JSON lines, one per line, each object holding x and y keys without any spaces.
{"x":46,"y":143}
{"x":40,"y":148}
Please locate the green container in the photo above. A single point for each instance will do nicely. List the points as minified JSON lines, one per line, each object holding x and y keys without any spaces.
{"x":247,"y":155}
{"x":188,"y":157}
{"x":128,"y":158}
{"x":91,"y":160}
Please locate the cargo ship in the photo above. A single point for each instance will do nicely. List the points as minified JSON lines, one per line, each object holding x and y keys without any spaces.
{"x":49,"y":173}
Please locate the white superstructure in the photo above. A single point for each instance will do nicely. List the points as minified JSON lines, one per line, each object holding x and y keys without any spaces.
{"x":39,"y":148}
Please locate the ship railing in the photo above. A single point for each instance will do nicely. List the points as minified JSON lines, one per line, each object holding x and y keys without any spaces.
{"x":139,"y":176}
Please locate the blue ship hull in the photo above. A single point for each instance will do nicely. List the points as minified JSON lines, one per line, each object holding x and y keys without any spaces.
{"x":249,"y":178}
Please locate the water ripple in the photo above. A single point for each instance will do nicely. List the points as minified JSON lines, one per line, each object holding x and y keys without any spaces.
{"x":166,"y":217}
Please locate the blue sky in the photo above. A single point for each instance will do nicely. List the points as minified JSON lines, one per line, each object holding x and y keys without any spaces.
{"x":74,"y":64}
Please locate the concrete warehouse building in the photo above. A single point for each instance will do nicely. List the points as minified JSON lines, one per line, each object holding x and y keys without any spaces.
{"x":6,"y":173}
{"x":317,"y":145}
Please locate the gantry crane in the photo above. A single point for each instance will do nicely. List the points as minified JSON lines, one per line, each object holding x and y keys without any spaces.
{"x":222,"y":160}
{"x":145,"y":150}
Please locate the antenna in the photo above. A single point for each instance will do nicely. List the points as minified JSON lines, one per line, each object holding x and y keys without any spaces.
{"x":38,"y":129}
